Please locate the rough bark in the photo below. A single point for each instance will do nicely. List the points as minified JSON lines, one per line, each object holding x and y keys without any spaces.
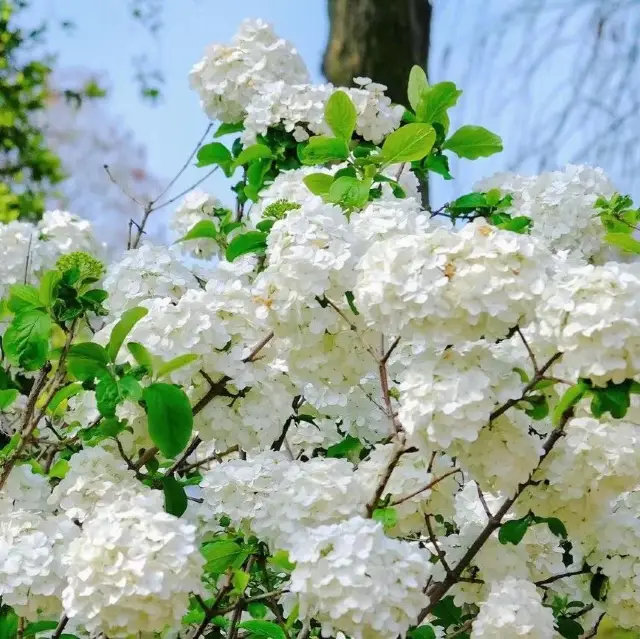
{"x":378,"y":39}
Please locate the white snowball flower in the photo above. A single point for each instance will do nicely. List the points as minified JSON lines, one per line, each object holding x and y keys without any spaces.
{"x":238,"y":488}
{"x":143,"y":273}
{"x":351,"y":577}
{"x":452,"y":285}
{"x":592,"y":313}
{"x":68,"y":233}
{"x":132,"y":570}
{"x":306,"y":250}
{"x":11,"y":417}
{"x":450,"y":394}
{"x":25,"y":490}
{"x":513,"y":609}
{"x":95,"y":477}
{"x":300,"y":109}
{"x":196,"y":207}
{"x":229,"y":77}
{"x":31,"y":551}
{"x":309,"y":494}
{"x":560,"y":205}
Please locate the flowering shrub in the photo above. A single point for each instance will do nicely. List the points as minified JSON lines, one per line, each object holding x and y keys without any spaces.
{"x":330,"y":411}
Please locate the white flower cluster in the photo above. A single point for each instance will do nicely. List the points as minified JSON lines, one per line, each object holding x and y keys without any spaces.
{"x":132,"y":570}
{"x":560,"y":205}
{"x":352,"y":577}
{"x":229,"y":76}
{"x":452,"y":285}
{"x":144,"y":273}
{"x":196,"y":207}
{"x":27,"y":250}
{"x":300,"y":109}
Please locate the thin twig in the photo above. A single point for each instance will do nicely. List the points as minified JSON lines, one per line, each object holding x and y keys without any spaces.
{"x":213,"y":457}
{"x":434,"y":542}
{"x":190,"y":188}
{"x":594,"y":631}
{"x":398,"y":450}
{"x":462,"y":629}
{"x":387,"y":355}
{"x":532,"y":356}
{"x":185,"y":166}
{"x":133,"y":199}
{"x":550,"y":580}
{"x":64,"y":620}
{"x":351,"y":326}
{"x":189,"y":450}
{"x":430,"y":485}
{"x":483,"y":501}
{"x":257,"y":348}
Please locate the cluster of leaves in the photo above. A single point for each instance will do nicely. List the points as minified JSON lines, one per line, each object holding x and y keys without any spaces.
{"x":420,"y":143}
{"x":620,"y":220}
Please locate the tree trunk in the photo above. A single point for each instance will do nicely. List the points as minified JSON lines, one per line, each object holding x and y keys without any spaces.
{"x":378,"y":39}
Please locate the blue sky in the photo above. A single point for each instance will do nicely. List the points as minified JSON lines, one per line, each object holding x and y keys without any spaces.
{"x":107,"y":39}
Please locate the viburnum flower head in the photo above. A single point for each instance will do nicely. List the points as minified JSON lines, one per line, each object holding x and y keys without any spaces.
{"x":229,"y":77}
{"x":351,"y":577}
{"x":452,"y":285}
{"x":132,"y":569}
{"x":513,"y":609}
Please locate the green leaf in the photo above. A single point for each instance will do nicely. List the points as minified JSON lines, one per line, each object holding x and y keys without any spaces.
{"x":228,"y":127}
{"x":240,"y":580}
{"x":556,"y":526}
{"x":422,"y":632}
{"x":87,"y":360}
{"x":257,"y":610}
{"x":259,"y":628}
{"x":250,"y":242}
{"x":519,"y":224}
{"x":265,"y":225}
{"x":599,"y":586}
{"x":39,"y":626}
{"x":469,"y":202}
{"x":408,"y":143}
{"x":26,"y":340}
{"x":281,"y":560}
{"x":130,"y":388}
{"x":436,"y":100}
{"x":221,"y":554}
{"x":48,"y":286}
{"x":349,"y":447}
{"x":388,"y":517}
{"x":322,"y":149}
{"x":120,"y":331}
{"x":438,"y":164}
{"x":203,"y":228}
{"x":64,"y":393}
{"x":141,"y":355}
{"x":215,"y":153}
{"x":472,"y":142}
{"x":350,"y":301}
{"x":570,"y":398}
{"x":107,"y":395}
{"x":536,"y":406}
{"x":170,"y":417}
{"x":7,"y":397}
{"x":569,"y":628}
{"x":175,"y":499}
{"x":318,"y":183}
{"x":176,"y":363}
{"x":13,"y":442}
{"x":418,"y":83}
{"x":23,"y":297}
{"x":512,"y":532}
{"x":350,"y":192}
{"x":251,"y":153}
{"x":59,"y":469}
{"x":8,"y":623}
{"x":614,"y":399}
{"x":341,"y":115}
{"x":623,"y":241}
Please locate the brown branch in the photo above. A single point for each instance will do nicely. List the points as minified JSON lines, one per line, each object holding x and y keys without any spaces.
{"x":594,"y":631}
{"x":439,"y":590}
{"x":64,"y":620}
{"x":483,"y":501}
{"x":550,"y":580}
{"x":213,"y":457}
{"x":430,"y":485}
{"x":466,"y":626}
{"x":398,"y":450}
{"x":434,"y":541}
{"x":532,"y":356}
{"x":257,"y":348}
